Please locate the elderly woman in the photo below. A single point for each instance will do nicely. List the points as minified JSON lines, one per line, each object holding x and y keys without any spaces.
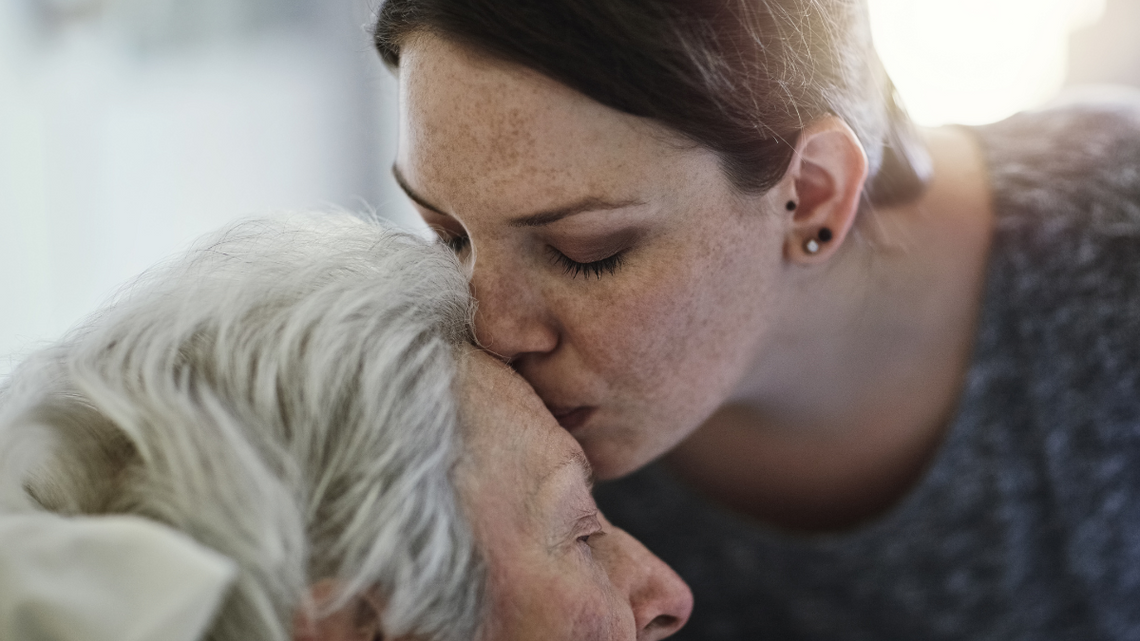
{"x":894,"y":373}
{"x":299,"y":397}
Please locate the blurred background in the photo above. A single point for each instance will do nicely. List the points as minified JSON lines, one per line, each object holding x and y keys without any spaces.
{"x":130,"y":127}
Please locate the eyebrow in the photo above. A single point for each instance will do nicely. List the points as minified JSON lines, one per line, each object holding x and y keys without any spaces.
{"x":579,"y":458}
{"x":416,"y":198}
{"x":540,"y":219}
{"x":575,"y":458}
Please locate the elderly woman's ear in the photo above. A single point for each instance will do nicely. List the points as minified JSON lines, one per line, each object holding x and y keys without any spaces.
{"x":359,"y":620}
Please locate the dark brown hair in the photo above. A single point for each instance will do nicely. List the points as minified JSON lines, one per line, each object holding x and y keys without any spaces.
{"x":741,"y":77}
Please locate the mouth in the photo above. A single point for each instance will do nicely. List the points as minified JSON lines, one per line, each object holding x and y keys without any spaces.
{"x":571,"y":418}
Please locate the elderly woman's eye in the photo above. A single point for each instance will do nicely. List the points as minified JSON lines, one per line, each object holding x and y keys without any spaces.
{"x":591,"y":533}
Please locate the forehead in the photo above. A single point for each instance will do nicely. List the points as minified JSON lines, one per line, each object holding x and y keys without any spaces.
{"x":507,"y":429}
{"x":469,"y":119}
{"x":524,"y":479}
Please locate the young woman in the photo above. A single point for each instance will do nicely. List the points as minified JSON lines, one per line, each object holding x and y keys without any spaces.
{"x":905,"y":361}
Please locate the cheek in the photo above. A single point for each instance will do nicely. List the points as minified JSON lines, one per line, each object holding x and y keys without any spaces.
{"x":600,"y":611}
{"x":540,"y":599}
{"x":633,"y":327}
{"x":686,"y":314}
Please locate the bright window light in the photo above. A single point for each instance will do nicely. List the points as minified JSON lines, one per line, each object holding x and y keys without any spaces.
{"x":976,"y":61}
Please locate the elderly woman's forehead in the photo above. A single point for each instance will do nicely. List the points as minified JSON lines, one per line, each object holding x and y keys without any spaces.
{"x":505,"y":423}
{"x":492,"y":392}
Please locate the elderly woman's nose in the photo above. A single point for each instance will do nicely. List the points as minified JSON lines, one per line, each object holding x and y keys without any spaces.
{"x":511,"y":319}
{"x":660,"y":600}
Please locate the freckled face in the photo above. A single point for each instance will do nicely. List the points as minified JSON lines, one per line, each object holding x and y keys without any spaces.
{"x":558,"y":570}
{"x":613,"y":263}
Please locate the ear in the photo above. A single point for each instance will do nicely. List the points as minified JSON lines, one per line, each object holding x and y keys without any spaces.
{"x":825,"y":183}
{"x":359,"y":620}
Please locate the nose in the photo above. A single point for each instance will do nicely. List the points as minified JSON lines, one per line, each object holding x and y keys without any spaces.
{"x":512,"y":318}
{"x":660,"y":600}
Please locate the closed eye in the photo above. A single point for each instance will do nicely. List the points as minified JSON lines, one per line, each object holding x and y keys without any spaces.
{"x":592,"y":531}
{"x":456,"y":242}
{"x":597,"y":268}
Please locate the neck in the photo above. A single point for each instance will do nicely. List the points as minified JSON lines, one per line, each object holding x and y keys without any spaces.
{"x":840,"y":414}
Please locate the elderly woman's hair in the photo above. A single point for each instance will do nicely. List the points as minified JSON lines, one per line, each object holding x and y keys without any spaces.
{"x":284,"y":395}
{"x":741,"y":77}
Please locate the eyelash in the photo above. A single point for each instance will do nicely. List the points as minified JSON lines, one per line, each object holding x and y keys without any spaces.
{"x":589,"y":539}
{"x":572,"y":268}
{"x":595,"y":532}
{"x":456,"y":243}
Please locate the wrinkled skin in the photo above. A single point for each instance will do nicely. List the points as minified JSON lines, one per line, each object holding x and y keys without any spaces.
{"x":558,"y":569}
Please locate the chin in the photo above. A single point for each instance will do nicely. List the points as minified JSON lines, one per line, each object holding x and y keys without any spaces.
{"x":612,"y":458}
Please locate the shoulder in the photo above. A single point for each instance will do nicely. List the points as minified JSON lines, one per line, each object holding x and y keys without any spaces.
{"x":1065,"y":184}
{"x":1063,"y":324}
{"x":1074,"y":163}
{"x":1065,"y":262}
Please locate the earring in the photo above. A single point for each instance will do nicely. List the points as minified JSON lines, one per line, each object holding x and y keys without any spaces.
{"x":812,"y":245}
{"x":791,"y":206}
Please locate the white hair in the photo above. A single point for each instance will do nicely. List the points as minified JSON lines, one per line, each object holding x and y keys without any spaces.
{"x":283,"y":393}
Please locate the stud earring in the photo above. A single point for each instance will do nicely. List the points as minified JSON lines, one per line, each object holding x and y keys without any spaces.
{"x":812,"y":245}
{"x":791,"y":206}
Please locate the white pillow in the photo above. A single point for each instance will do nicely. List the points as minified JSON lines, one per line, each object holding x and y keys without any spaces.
{"x":114,"y":578}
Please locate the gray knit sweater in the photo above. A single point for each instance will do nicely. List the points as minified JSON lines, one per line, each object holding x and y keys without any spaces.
{"x":1027,"y":524}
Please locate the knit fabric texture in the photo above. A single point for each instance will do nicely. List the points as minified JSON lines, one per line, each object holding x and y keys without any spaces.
{"x":1027,"y":523}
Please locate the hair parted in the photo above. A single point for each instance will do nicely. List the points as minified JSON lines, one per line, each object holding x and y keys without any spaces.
{"x":741,"y":77}
{"x":283,"y":394}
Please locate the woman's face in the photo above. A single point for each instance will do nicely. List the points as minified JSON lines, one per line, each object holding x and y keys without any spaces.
{"x":558,"y":570}
{"x":614,"y":265}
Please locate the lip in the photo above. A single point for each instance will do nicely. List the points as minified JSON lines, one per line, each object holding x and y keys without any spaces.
{"x":571,"y":418}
